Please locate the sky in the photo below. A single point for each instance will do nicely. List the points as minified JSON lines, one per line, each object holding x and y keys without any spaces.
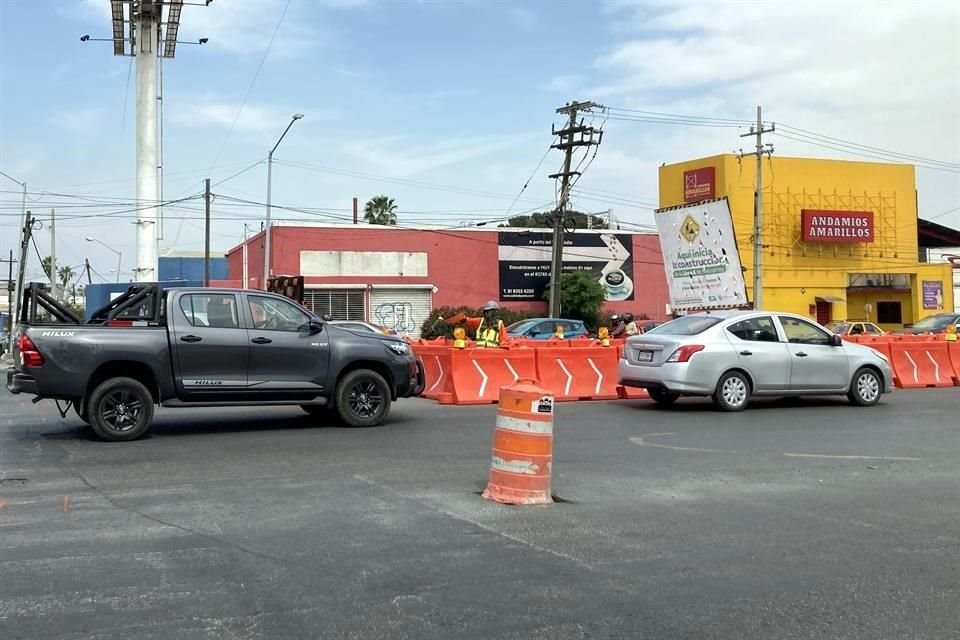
{"x":447,"y":106}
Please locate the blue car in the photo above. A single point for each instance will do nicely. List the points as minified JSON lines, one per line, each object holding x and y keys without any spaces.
{"x":544,"y":328}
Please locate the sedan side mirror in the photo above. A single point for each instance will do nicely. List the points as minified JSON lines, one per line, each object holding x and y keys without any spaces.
{"x":835,"y":340}
{"x":316,"y":326}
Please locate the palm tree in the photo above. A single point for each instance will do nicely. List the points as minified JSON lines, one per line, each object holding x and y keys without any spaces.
{"x":64,"y":274}
{"x":380,"y":210}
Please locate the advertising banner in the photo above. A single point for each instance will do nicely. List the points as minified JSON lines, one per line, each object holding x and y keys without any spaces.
{"x":525,"y":262}
{"x":933,"y":295}
{"x":837,"y":226}
{"x":699,"y":184}
{"x":700,"y":257}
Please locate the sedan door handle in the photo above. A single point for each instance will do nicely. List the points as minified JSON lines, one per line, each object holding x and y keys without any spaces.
{"x":191,"y":338}
{"x":261,"y":341}
{"x":801,"y":354}
{"x":746,"y":353}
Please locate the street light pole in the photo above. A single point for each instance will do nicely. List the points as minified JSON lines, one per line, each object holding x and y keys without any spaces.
{"x":119,"y":254}
{"x":266,"y":243}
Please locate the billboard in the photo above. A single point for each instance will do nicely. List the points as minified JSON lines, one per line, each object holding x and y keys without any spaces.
{"x":700,"y":256}
{"x":821,"y":225}
{"x":932,"y":295}
{"x":699,"y":184}
{"x":524,"y":258}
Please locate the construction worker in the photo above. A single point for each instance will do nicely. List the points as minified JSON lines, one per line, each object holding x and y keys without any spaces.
{"x":632,"y":328}
{"x":617,"y":326}
{"x":490,"y":330}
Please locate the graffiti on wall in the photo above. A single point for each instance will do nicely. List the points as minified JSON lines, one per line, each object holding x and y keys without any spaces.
{"x":397,"y":316}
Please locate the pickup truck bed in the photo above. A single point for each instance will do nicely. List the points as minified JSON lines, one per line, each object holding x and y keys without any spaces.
{"x":202,"y":347}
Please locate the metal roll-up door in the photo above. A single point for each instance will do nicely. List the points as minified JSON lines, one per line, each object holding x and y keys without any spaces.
{"x":403,"y":310}
{"x":339,"y":304}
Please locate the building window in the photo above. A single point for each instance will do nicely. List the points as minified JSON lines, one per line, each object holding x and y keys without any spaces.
{"x":889,"y":313}
{"x":339,"y":304}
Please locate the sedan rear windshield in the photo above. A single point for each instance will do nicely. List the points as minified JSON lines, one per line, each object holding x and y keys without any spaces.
{"x":685,"y":326}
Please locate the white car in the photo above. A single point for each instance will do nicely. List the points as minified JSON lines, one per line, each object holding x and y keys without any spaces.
{"x":735,"y":355}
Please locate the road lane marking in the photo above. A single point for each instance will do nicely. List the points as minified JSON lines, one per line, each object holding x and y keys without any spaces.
{"x":839,"y":457}
{"x":639,"y":440}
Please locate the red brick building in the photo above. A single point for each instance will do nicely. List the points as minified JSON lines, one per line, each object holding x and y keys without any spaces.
{"x":395,"y":276}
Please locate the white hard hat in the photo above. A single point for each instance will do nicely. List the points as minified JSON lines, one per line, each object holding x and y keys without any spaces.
{"x":491,"y":306}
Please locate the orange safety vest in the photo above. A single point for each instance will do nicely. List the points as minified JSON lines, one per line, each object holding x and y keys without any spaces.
{"x":488,"y":337}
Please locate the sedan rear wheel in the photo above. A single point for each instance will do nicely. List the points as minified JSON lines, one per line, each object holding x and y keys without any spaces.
{"x":733,"y":392}
{"x":865,"y":388}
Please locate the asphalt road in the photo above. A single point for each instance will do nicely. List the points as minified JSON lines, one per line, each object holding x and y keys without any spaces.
{"x":808,"y":519}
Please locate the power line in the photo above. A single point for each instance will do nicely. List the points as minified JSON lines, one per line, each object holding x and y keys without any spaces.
{"x":864,"y":154}
{"x":812,"y":134}
{"x":252,"y":82}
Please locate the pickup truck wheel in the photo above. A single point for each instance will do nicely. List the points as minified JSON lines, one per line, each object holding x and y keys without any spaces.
{"x":120,"y":409}
{"x":363,"y":398}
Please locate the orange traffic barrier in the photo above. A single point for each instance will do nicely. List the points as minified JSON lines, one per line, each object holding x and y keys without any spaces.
{"x":953,"y":351}
{"x":579,"y":373}
{"x":921,"y":364}
{"x":478,"y":374}
{"x":437,"y":372}
{"x":632,"y":393}
{"x":522,"y":460}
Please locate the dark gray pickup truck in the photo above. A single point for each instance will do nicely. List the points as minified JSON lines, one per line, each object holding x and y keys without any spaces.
{"x":202,"y":348}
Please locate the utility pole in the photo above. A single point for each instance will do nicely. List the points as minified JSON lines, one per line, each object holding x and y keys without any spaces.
{"x":86,"y":263}
{"x":572,"y":136}
{"x":758,"y":207}
{"x":356,"y":211}
{"x":246,"y":260}
{"x":22,"y":270}
{"x":206,"y":241}
{"x":10,"y":289}
{"x":53,"y":254}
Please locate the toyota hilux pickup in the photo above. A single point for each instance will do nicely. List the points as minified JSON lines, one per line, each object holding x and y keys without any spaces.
{"x":201,"y":347}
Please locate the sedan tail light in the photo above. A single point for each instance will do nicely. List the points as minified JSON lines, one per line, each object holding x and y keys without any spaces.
{"x":29,"y":356}
{"x":684,"y":353}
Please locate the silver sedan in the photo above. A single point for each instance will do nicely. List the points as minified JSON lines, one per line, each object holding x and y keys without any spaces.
{"x":735,"y":355}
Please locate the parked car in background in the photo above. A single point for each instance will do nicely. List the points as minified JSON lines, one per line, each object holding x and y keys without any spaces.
{"x":358,"y":325}
{"x":855,"y":328}
{"x":545,"y":328}
{"x":733,"y":356}
{"x":932,"y":324}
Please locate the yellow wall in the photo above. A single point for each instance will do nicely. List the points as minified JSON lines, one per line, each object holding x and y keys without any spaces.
{"x":795,"y":272}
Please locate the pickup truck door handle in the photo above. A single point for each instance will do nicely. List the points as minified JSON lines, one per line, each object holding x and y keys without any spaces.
{"x":801,"y":354}
{"x":261,"y":341}
{"x":746,"y":353}
{"x":191,"y":338}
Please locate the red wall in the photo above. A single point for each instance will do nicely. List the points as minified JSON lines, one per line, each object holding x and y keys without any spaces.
{"x":463,"y":265}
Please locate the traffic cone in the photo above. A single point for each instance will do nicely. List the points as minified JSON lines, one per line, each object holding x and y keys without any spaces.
{"x":521,"y":465}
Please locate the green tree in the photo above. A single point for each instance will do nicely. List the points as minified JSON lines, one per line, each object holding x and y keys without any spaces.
{"x":64,"y":274}
{"x":581,"y":297}
{"x":541,"y":220}
{"x":380,"y":210}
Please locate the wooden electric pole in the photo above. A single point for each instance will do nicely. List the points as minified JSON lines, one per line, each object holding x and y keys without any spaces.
{"x":758,"y":207}
{"x":206,"y":241}
{"x":572,"y":136}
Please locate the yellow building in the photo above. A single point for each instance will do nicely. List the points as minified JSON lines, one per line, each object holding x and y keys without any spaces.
{"x":841,"y":240}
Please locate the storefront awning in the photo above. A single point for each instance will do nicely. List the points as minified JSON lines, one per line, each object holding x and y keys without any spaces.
{"x":831,"y":299}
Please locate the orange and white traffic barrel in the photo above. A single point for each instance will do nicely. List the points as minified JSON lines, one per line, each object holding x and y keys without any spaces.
{"x":522,"y":460}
